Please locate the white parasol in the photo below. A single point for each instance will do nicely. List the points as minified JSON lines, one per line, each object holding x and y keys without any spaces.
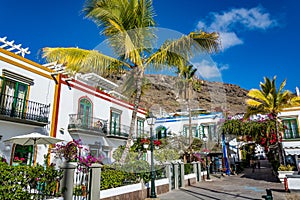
{"x":33,"y":139}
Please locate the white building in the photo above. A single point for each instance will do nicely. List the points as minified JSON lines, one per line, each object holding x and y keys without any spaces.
{"x":45,"y":99}
{"x":202,"y":125}
{"x":291,"y":139}
{"x":26,"y":101}
{"x":88,"y":110}
{"x":205,"y":125}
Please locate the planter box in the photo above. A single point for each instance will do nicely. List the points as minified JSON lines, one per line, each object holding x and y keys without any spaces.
{"x":282,"y":175}
{"x":293,"y":183}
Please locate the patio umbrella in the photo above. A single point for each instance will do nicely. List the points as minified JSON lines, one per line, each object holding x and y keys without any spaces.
{"x":33,"y":139}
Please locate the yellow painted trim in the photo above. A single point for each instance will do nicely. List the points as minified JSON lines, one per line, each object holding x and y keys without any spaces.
{"x":54,"y":119}
{"x":25,"y":67}
{"x":25,"y":60}
{"x":35,"y":154}
{"x":55,"y":106}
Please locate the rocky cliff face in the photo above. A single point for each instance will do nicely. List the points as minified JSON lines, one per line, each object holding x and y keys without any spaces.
{"x":166,"y":94}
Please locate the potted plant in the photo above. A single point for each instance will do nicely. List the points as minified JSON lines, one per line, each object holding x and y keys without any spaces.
{"x":157,"y":143}
{"x":145,"y":143}
{"x":284,"y":170}
{"x":18,"y":161}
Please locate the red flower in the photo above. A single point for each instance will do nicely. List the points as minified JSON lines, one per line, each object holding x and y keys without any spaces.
{"x":157,"y":142}
{"x":145,"y":141}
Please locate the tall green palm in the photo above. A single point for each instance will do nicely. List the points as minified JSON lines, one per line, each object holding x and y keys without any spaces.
{"x":269,"y":100}
{"x":186,"y":74}
{"x":129,"y":28}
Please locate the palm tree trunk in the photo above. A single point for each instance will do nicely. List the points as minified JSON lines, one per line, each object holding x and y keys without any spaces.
{"x":190,"y":123}
{"x":279,"y":144}
{"x":139,"y":74}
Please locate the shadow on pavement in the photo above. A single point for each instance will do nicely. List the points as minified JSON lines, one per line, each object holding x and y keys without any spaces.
{"x":278,"y":190}
{"x":263,"y":174}
{"x":216,"y":191}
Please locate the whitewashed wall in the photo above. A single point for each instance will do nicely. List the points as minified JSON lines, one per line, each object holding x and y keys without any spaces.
{"x":42,"y":92}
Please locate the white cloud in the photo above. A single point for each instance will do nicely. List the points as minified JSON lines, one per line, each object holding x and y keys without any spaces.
{"x":209,"y":70}
{"x":229,"y":39}
{"x":236,"y":20}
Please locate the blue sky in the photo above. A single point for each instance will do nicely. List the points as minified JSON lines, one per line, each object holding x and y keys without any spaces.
{"x":259,"y":38}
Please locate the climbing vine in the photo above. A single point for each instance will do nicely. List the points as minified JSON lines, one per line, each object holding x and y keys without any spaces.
{"x":261,"y":131}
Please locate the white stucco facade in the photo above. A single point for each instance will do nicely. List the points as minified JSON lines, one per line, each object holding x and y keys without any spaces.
{"x":78,"y":107}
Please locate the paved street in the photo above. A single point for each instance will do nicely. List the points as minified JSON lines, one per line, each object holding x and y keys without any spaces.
{"x":243,"y":186}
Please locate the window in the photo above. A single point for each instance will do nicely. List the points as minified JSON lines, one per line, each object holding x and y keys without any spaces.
{"x":94,"y":150}
{"x":209,"y":130}
{"x":13,"y":101}
{"x":290,"y":128}
{"x":204,"y":131}
{"x":115,"y":120}
{"x":140,"y":127}
{"x":195,"y":132}
{"x":85,"y":112}
{"x":23,"y":154}
{"x":161,"y":132}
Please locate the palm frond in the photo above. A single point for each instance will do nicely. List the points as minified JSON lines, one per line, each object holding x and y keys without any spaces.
{"x":81,"y":60}
{"x":253,"y":103}
{"x":177,"y":52}
{"x":272,"y":101}
{"x":295,"y":101}
{"x":127,"y":25}
{"x":258,"y":95}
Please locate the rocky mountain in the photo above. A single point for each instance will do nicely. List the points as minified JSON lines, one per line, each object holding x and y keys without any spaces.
{"x":165,"y":94}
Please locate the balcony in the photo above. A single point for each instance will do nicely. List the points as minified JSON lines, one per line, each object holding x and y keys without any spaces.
{"x":23,"y":111}
{"x":87,"y":125}
{"x":118,"y":131}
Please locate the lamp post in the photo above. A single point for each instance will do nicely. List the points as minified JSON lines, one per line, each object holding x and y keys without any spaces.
{"x":151,"y":121}
{"x":207,"y":167}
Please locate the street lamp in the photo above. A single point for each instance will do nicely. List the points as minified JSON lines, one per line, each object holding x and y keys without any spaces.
{"x":151,"y":121}
{"x":206,"y":153}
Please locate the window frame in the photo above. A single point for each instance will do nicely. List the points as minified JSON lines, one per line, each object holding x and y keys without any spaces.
{"x":291,"y":134}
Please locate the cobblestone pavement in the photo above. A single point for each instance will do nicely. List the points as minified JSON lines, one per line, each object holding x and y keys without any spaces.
{"x":245,"y":186}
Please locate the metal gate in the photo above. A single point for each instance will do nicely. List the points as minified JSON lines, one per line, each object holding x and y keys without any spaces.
{"x":82,"y":183}
{"x":197,"y":173}
{"x":179,"y":175}
{"x":172,"y":175}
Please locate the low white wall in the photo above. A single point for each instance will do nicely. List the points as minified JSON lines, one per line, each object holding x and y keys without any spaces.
{"x":130,"y":188}
{"x":293,"y":182}
{"x":189,"y":176}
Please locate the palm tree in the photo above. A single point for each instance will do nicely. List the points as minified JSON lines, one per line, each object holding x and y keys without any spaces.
{"x":128,"y":26}
{"x":269,"y":100}
{"x":186,"y":73}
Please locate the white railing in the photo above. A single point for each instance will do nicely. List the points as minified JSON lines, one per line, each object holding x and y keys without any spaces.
{"x":15,"y":48}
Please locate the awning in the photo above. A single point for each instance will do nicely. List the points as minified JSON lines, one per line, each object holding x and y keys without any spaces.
{"x":291,"y":148}
{"x":292,"y":151}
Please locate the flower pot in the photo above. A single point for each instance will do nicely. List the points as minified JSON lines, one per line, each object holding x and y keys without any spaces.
{"x":146,"y":146}
{"x":281,"y":175}
{"x":156,"y":147}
